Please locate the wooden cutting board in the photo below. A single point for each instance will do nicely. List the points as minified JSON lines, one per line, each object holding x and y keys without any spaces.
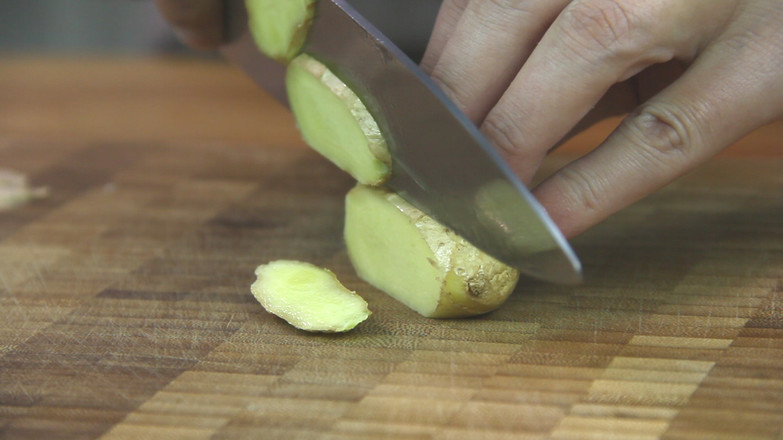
{"x":126,"y":310}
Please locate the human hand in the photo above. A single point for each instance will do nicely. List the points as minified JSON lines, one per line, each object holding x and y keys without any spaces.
{"x":198,"y":23}
{"x":695,"y":75}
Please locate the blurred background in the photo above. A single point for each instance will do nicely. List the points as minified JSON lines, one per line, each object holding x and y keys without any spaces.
{"x":133,"y":27}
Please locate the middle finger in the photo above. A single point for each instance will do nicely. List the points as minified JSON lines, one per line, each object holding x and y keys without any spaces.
{"x":592,"y":45}
{"x":486,"y":48}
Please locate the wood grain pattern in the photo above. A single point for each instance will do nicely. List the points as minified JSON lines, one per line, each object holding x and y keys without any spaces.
{"x":126,"y":310}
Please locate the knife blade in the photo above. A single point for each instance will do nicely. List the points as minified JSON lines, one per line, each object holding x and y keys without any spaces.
{"x":441,"y":163}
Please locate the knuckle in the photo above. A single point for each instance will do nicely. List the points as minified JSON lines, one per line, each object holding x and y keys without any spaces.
{"x":449,"y":82}
{"x":607,"y":25}
{"x":662,"y":133}
{"x":589,"y":192}
{"x":492,"y":15}
{"x":503,"y":133}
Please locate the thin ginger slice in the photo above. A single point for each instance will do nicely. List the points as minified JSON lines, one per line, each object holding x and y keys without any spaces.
{"x":308,"y":297}
{"x":15,"y":190}
{"x":279,"y":27}
{"x":335,"y":122}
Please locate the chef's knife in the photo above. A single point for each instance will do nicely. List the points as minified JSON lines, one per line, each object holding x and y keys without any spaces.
{"x":441,"y":163}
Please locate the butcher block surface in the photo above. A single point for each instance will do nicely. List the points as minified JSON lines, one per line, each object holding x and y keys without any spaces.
{"x":126,"y":313}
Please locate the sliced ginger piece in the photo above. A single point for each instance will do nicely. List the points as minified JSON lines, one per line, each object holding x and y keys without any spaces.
{"x":308,"y":297}
{"x":416,"y":260}
{"x":279,"y":27}
{"x":15,"y":190}
{"x":333,"y":120}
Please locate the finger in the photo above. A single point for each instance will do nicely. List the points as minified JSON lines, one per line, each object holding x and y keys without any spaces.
{"x":711,"y":106}
{"x":592,"y":45}
{"x":198,"y":23}
{"x":623,"y":97}
{"x":487,"y":47}
{"x":448,"y":16}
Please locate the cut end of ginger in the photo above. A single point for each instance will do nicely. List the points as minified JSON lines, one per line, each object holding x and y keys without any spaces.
{"x":411,"y":257}
{"x":335,"y":122}
{"x":279,"y":28}
{"x":308,"y":297}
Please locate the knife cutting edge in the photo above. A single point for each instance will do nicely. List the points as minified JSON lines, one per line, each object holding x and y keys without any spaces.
{"x":441,"y":163}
